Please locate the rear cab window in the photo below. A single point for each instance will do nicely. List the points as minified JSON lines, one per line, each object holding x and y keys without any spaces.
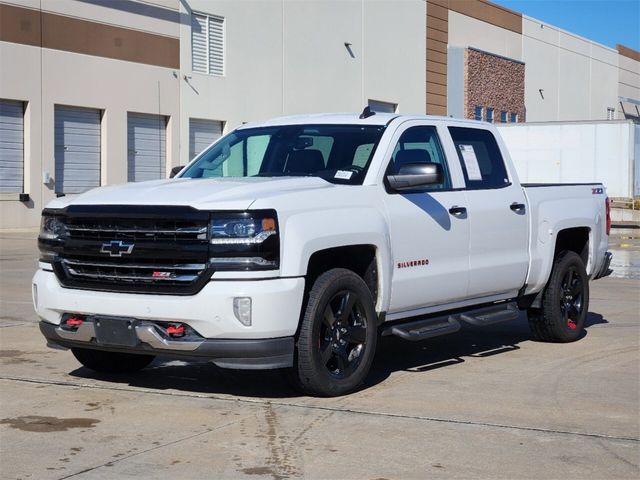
{"x":479,"y":154}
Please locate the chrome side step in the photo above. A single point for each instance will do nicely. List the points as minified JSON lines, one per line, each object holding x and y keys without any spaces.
{"x":423,"y":328}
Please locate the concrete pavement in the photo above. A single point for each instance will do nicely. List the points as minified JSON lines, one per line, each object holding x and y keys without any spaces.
{"x":483,"y":403}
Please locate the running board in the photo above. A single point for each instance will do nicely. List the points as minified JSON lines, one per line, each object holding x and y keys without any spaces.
{"x":423,"y":328}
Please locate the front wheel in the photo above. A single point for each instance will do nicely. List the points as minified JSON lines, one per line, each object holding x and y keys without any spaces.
{"x":338,"y":335}
{"x":111,"y":362}
{"x":565,"y":302}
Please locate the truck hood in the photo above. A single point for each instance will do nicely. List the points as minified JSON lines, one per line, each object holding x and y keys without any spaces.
{"x":203,"y":194}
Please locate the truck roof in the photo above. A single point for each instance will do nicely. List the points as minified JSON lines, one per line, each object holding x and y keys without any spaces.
{"x":349,"y":119}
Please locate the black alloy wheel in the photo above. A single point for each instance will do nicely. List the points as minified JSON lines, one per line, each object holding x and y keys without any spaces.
{"x":338,"y":334}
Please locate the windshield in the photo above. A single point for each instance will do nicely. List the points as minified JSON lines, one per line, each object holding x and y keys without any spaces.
{"x":337,"y":153}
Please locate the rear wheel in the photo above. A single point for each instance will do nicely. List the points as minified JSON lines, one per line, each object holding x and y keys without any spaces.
{"x":338,"y":335}
{"x":565,"y":302}
{"x":111,"y":362}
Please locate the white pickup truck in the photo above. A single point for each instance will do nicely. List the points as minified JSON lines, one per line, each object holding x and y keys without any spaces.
{"x":294,"y":243}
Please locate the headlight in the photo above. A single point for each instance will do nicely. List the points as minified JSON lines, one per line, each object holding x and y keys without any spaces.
{"x":244,"y":240}
{"x":52,"y":232}
{"x":51,"y":227}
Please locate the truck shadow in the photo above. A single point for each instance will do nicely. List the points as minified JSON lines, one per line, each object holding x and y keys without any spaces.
{"x":198,"y":377}
{"x":466,"y":345}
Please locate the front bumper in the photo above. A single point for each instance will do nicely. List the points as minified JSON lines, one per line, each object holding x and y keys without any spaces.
{"x":226,"y":353}
{"x":267,"y":343}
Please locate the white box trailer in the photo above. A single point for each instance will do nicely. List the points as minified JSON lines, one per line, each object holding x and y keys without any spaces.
{"x":576,"y":152}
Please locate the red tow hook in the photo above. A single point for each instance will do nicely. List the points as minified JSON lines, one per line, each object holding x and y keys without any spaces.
{"x":74,"y":322}
{"x":176,"y":330}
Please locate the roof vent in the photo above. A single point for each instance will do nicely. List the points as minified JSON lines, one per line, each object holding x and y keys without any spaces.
{"x":366,"y":113}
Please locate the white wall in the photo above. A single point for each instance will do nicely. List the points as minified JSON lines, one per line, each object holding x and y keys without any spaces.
{"x":285,"y":57}
{"x":578,"y":77}
{"x":557,"y":152}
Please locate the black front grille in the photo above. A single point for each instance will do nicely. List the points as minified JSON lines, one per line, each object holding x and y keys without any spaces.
{"x":136,"y":229}
{"x":134,"y":249}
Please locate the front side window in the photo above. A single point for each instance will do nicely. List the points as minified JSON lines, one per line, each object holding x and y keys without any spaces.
{"x":480,"y":157}
{"x":337,"y":153}
{"x":207,"y":44}
{"x":420,"y":145}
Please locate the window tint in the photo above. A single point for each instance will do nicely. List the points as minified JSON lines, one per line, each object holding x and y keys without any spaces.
{"x":337,"y":153}
{"x":480,"y":157}
{"x":420,"y":145}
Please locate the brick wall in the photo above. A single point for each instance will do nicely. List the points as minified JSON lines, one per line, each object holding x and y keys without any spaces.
{"x":493,"y":81}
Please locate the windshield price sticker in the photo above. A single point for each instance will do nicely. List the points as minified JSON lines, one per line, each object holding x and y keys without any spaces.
{"x":470,"y":162}
{"x":343,"y":175}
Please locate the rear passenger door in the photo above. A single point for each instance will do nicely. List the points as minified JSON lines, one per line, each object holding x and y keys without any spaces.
{"x":429,"y":237}
{"x":498,"y":252}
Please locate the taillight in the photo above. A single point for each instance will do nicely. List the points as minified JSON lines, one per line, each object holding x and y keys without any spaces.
{"x":607,"y":204}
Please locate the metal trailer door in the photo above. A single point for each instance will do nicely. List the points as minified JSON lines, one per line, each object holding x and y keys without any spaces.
{"x":77,"y":149}
{"x":146,"y":147}
{"x":202,"y":133}
{"x":11,"y":146}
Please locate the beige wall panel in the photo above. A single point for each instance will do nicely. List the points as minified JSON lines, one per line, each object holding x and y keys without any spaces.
{"x":394,"y":67}
{"x":604,"y":89}
{"x":465,"y":31}
{"x":534,"y":28}
{"x":541,"y":72}
{"x":574,"y":86}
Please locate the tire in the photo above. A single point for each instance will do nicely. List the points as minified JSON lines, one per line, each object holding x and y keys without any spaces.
{"x":565,"y":302}
{"x":111,"y":362}
{"x":338,"y":335}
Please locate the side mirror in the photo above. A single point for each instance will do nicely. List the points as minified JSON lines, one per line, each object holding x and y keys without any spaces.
{"x":175,"y":171}
{"x":415,"y":175}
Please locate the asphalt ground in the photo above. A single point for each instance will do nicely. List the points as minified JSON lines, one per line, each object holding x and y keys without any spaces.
{"x":482,"y":403}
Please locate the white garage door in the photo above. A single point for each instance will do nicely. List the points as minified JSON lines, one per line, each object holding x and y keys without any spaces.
{"x":202,"y":133}
{"x":11,"y":146}
{"x":147,"y":147}
{"x":77,"y":149}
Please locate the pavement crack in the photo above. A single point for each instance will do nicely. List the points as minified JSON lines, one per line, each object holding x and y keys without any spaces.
{"x":336,"y":409}
{"x":155,"y":447}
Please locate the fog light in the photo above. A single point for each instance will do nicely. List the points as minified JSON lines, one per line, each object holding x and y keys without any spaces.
{"x":242,"y":310}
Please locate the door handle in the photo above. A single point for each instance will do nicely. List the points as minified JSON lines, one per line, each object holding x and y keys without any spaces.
{"x":517,"y":207}
{"x":457,"y":211}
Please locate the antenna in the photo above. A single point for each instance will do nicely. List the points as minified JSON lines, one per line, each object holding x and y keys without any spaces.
{"x":366,"y":113}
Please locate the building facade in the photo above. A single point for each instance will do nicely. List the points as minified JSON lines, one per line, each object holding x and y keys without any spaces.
{"x":566,"y":77}
{"x":98,"y":92}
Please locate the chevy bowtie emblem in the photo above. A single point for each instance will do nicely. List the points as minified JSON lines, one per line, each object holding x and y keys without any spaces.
{"x":117,"y":248}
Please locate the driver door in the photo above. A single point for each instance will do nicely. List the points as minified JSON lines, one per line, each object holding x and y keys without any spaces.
{"x":429,"y":235}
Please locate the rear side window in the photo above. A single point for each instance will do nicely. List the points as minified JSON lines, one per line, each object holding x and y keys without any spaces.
{"x":480,"y":157}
